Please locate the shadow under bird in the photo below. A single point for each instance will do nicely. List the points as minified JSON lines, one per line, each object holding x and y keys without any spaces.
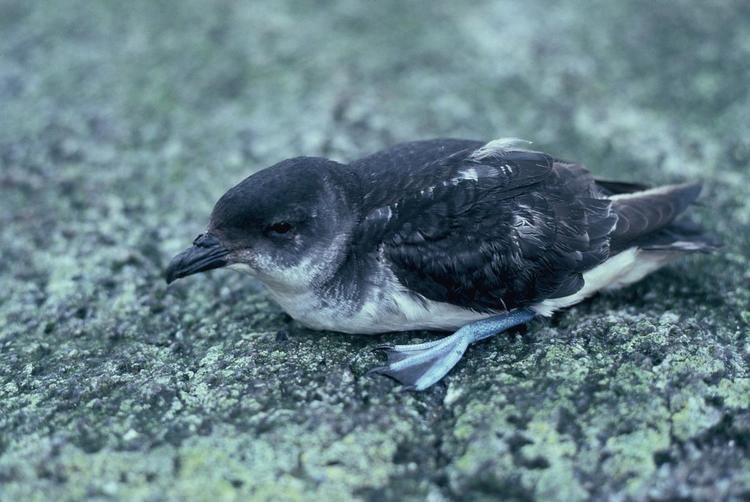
{"x":441,"y":234}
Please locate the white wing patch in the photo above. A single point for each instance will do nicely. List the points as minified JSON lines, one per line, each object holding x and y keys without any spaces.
{"x":427,"y":191}
{"x":475,"y":173}
{"x":498,"y":147}
{"x":468,"y":174}
{"x":381,"y":213}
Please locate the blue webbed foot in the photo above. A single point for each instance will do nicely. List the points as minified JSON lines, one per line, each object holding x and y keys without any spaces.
{"x":419,"y":366}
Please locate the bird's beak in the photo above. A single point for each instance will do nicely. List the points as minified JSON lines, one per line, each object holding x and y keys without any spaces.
{"x":206,"y":253}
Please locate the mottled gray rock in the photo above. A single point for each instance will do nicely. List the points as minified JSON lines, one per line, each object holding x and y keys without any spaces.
{"x":122,"y":122}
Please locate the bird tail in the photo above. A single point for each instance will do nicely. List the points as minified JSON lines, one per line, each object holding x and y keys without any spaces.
{"x":651,"y":218}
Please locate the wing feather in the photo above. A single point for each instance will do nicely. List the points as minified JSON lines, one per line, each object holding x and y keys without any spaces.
{"x":496,"y":231}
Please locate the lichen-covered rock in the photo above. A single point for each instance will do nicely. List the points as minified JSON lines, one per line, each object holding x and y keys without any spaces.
{"x":121,"y":124}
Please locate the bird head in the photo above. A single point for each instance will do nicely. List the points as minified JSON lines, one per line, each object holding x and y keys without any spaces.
{"x":287,"y":225}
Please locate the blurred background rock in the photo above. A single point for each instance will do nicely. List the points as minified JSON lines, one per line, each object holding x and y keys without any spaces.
{"x":122,"y":122}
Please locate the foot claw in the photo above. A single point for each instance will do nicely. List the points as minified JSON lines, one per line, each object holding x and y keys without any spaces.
{"x":380,"y":370}
{"x":382,"y":346}
{"x":416,"y":367}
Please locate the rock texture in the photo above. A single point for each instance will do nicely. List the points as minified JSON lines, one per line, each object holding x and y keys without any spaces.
{"x":122,"y":122}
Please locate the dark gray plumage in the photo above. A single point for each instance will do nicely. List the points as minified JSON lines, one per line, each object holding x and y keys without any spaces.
{"x":440,"y":234}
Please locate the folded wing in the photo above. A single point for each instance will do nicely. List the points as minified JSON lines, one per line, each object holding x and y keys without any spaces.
{"x":494,"y":229}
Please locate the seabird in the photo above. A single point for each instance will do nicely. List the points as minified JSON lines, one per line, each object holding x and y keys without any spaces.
{"x":442,"y":234}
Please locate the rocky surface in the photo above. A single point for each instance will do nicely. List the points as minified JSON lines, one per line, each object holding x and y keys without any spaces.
{"x":122,"y":122}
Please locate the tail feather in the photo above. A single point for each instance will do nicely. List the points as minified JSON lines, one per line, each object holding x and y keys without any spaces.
{"x":682,"y":235}
{"x":612,"y":187}
{"x":649,"y":215}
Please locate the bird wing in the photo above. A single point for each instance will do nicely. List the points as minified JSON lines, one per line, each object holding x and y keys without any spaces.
{"x":489,"y":228}
{"x":412,"y":155}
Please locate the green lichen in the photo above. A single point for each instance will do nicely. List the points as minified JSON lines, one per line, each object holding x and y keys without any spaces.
{"x":123,"y":122}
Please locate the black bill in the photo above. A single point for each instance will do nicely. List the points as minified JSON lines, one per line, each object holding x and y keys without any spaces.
{"x":207,"y":253}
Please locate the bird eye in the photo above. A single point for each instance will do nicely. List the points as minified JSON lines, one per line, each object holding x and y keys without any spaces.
{"x":281,"y":227}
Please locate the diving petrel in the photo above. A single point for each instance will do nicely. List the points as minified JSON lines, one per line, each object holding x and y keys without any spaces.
{"x":442,"y":234}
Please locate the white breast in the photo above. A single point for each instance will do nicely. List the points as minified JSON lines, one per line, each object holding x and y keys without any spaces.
{"x":386,"y":308}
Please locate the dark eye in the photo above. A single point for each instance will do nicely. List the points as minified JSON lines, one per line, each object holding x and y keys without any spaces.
{"x":281,"y":227}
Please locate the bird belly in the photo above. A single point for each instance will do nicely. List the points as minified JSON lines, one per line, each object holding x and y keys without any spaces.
{"x":400,"y":310}
{"x":620,"y":270}
{"x":389,"y":306}
{"x":386,"y":308}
